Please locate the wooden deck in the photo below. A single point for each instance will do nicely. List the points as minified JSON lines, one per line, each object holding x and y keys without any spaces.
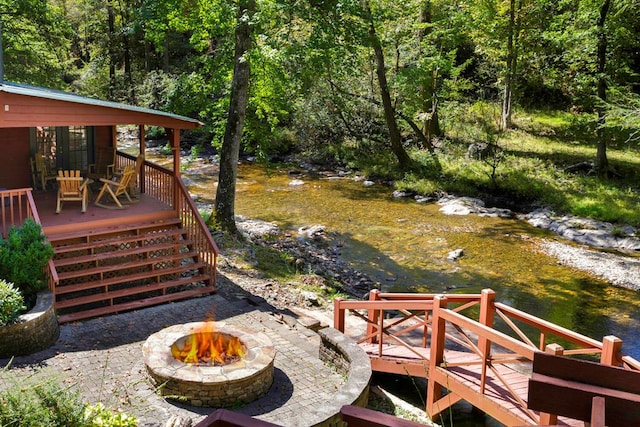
{"x":464,"y":358}
{"x":71,"y":219}
{"x":155,"y":250}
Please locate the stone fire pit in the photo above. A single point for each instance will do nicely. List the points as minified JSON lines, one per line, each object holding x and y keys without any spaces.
{"x":240,"y":381}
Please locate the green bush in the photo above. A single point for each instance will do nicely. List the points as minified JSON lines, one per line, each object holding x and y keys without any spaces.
{"x":45,"y":404}
{"x":50,"y":405}
{"x":11,"y":303}
{"x":23,"y":258}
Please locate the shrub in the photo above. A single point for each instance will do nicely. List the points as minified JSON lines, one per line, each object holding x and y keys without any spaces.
{"x":45,"y":404}
{"x":49,"y":404}
{"x":23,"y":258}
{"x":11,"y":303}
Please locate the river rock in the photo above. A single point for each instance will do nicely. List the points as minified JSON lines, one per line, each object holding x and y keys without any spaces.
{"x":368,"y":183}
{"x":296,"y":183}
{"x":460,"y":205}
{"x":399,"y":194}
{"x":455,"y":255}
{"x":310,"y":298}
{"x":254,"y":228}
{"x":312,"y":231}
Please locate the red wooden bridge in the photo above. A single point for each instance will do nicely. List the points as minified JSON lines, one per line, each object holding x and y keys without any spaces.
{"x":454,"y":342}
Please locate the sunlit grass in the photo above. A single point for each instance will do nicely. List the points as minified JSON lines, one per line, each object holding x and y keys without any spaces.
{"x":532,"y":168}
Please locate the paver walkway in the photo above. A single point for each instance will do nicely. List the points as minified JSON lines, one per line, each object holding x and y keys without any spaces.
{"x":103,"y":358}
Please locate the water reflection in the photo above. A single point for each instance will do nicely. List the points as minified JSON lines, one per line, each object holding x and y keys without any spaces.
{"x":404,"y":245}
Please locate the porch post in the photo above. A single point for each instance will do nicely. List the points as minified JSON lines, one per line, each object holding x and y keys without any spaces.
{"x":174,"y":137}
{"x":114,"y":136}
{"x":143,"y":149}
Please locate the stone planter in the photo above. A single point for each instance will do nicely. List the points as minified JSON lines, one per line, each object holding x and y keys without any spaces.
{"x":33,"y":331}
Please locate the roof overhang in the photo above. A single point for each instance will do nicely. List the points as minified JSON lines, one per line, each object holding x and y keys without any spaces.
{"x":30,"y":106}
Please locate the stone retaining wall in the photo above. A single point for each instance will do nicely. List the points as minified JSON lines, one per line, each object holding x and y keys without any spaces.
{"x":34,"y":331}
{"x":341,"y":352}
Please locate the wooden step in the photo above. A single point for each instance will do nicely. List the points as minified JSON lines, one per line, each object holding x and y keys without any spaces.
{"x":117,"y":280}
{"x":121,"y":253}
{"x":113,"y":241}
{"x":132,"y":305}
{"x":134,"y":290}
{"x":89,"y":234}
{"x":99,"y":271}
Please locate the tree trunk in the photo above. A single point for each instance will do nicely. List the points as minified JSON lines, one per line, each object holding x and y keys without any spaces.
{"x":112,"y":51}
{"x":510,"y":68}
{"x":431,"y":123}
{"x":404,"y":161}
{"x":601,"y":165}
{"x":230,"y":151}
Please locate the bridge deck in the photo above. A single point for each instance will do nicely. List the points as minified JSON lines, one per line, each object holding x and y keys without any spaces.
{"x":465,"y":379}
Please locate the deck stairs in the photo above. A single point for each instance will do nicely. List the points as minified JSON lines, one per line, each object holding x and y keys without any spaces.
{"x":121,"y":268}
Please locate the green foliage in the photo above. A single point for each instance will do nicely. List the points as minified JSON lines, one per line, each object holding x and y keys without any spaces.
{"x":45,"y":404}
{"x":24,"y":254}
{"x":50,"y":405}
{"x":99,"y":416}
{"x":11,"y":303}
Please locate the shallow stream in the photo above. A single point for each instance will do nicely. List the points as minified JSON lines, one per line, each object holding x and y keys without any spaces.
{"x":404,"y":245}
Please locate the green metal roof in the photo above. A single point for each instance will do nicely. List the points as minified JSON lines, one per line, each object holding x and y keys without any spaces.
{"x":41,"y":92}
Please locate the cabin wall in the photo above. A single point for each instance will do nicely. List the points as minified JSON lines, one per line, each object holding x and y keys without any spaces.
{"x":15,"y":168}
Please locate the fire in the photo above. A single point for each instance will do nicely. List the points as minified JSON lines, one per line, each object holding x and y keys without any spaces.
{"x":206,"y":346}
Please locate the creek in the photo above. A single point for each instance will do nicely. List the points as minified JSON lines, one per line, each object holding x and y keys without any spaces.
{"x":404,"y":245}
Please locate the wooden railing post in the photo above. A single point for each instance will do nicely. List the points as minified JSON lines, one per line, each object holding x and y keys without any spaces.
{"x":373,"y":316}
{"x":611,"y":347}
{"x":486,"y":317}
{"x":438,"y":330}
{"x":143,"y":148}
{"x":545,"y":418}
{"x":338,"y":315}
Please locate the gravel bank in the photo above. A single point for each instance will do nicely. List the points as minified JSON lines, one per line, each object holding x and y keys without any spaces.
{"x":619,"y":270}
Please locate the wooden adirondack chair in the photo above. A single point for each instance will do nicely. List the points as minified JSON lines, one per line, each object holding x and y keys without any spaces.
{"x":116,"y":187}
{"x":105,"y":164}
{"x":72,"y":188}
{"x":41,"y":172}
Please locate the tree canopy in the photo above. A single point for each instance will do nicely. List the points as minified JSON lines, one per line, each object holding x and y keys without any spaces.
{"x":376,"y":74}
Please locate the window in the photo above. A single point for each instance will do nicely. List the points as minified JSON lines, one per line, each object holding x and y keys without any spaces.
{"x":63,"y":147}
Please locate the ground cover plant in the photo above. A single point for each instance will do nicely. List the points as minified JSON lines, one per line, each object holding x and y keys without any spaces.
{"x":49,"y":404}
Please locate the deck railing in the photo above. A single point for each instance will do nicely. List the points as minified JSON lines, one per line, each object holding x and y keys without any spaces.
{"x":16,"y":206}
{"x":466,"y":323}
{"x":160,"y":183}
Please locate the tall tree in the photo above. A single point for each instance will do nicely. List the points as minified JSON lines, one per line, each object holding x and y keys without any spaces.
{"x":229,"y":154}
{"x":513,"y":32}
{"x":601,"y":164}
{"x":404,"y":161}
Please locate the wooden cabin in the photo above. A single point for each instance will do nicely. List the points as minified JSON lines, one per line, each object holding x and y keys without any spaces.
{"x":143,"y":244}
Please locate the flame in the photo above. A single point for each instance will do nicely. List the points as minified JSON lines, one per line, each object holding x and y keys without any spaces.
{"x":209,"y":347}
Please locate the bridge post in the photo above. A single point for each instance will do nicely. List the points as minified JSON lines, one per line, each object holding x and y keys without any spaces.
{"x":438,"y":330}
{"x":373,"y":315}
{"x":338,"y":315}
{"x":486,"y":317}
{"x":611,"y":347}
{"x":547,"y":419}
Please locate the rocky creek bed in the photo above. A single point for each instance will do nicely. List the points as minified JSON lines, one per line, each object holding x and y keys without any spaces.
{"x":596,"y":247}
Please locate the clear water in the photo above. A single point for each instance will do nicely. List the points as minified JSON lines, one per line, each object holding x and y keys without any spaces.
{"x":404,"y":245}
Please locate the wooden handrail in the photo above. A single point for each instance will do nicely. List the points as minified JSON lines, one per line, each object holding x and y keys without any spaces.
{"x":161,"y":184}
{"x":548,"y":327}
{"x":16,"y":206}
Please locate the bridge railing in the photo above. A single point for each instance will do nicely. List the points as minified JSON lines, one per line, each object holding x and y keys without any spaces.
{"x":491,"y":348}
